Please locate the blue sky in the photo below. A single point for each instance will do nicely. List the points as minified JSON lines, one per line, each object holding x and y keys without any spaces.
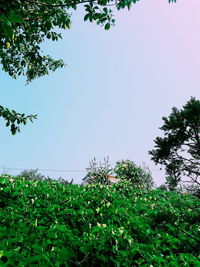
{"x":110,"y":98}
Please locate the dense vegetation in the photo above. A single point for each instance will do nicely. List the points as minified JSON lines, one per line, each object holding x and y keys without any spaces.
{"x":179,"y":150}
{"x":124,"y":170}
{"x":46,"y":223}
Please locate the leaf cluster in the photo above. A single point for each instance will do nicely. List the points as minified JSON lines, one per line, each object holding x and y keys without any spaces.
{"x":14,"y":119}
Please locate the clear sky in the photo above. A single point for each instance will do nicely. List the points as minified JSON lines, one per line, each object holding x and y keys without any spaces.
{"x":110,"y":98}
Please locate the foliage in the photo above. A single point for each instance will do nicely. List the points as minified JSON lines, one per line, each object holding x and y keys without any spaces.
{"x":98,"y":172}
{"x":179,"y":149}
{"x":128,"y":170}
{"x":63,"y":181}
{"x":171,"y":183}
{"x":25,"y":24}
{"x":193,"y":189}
{"x":33,"y":174}
{"x":14,"y":119}
{"x":45,"y":223}
{"x":163,"y":187}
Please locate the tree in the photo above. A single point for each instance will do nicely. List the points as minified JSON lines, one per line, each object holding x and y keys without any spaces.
{"x":25,"y":24}
{"x":179,"y":150}
{"x":137,"y":175}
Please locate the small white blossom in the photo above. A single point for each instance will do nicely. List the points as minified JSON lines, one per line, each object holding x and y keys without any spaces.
{"x":97,"y":210}
{"x":108,"y":204}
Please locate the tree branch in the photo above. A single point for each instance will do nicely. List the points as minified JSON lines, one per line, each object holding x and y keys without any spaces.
{"x":60,"y":5}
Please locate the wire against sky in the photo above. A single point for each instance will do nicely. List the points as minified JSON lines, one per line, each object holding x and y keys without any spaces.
{"x":22,"y":169}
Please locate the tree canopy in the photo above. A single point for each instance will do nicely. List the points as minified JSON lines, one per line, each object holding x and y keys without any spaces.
{"x":179,"y":149}
{"x":25,"y":24}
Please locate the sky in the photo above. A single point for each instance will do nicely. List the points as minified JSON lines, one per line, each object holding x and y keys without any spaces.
{"x":110,"y":98}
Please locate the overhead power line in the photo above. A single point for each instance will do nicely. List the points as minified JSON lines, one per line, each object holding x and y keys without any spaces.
{"x":22,"y":169}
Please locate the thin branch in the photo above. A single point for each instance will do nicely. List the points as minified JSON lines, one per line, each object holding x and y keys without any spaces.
{"x":60,"y":5}
{"x":80,"y":262}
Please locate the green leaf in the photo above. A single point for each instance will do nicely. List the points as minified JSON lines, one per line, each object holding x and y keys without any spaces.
{"x":7,"y":29}
{"x":15,"y":18}
{"x":107,"y":26}
{"x":86,"y":17}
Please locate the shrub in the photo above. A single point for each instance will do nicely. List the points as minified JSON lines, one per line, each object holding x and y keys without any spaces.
{"x":31,"y":174}
{"x":98,"y":172}
{"x":171,"y":183}
{"x":163,"y":187}
{"x":193,"y":189}
{"x":128,"y":170}
{"x":35,"y":175}
{"x":45,"y":223}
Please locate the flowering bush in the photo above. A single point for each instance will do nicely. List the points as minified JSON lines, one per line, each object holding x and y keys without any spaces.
{"x":46,"y":223}
{"x":98,"y":172}
{"x":128,"y":170}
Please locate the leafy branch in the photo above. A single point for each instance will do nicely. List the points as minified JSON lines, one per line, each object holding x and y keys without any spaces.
{"x":14,"y":119}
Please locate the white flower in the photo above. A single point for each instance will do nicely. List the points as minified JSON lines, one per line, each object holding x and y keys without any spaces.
{"x":121,"y":230}
{"x":108,"y":204}
{"x":97,"y":210}
{"x":129,"y":241}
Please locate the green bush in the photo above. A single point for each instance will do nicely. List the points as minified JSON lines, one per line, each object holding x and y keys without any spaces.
{"x":163,"y":187}
{"x":193,"y":189}
{"x":46,"y":223}
{"x":128,"y":170}
{"x":33,"y":174}
{"x":98,"y":172}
